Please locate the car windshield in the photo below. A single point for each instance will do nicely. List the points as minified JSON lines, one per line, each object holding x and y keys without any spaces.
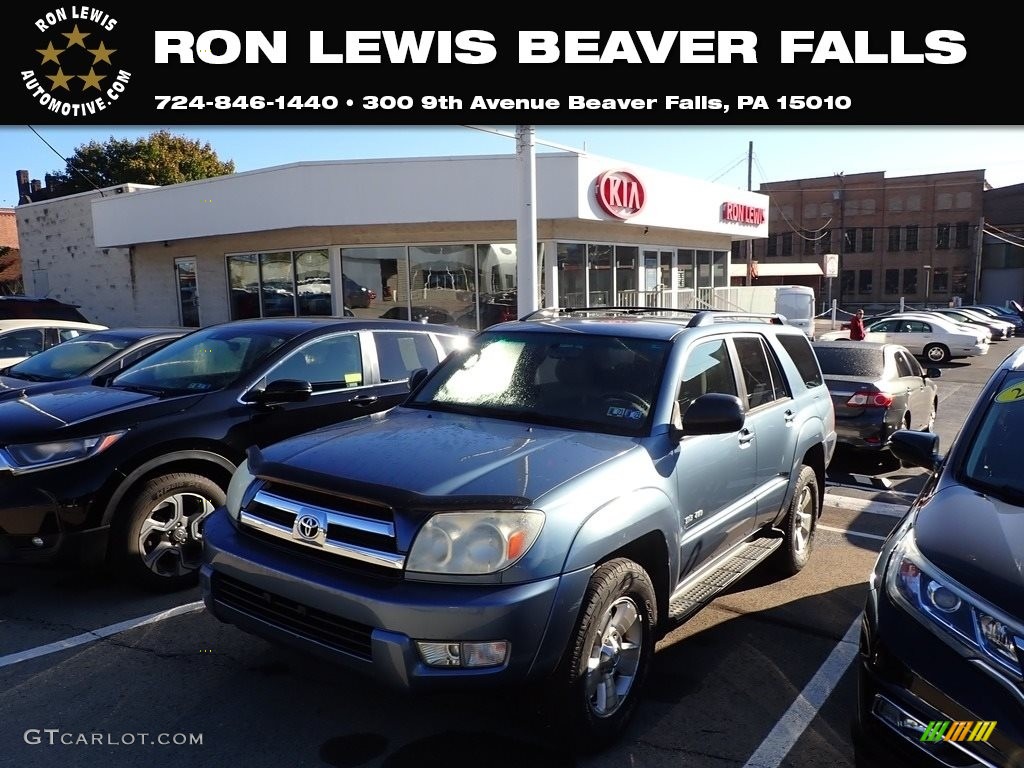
{"x":68,"y":359}
{"x":597,"y":383}
{"x":850,"y":361}
{"x":993,"y":457}
{"x":203,"y":361}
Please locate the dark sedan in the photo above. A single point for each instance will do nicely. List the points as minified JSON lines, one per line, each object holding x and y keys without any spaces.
{"x":876,"y":389}
{"x":83,"y":360}
{"x":941,"y":663}
{"x":420,"y":314}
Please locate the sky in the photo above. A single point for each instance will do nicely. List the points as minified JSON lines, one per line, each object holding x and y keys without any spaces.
{"x":717,"y":154}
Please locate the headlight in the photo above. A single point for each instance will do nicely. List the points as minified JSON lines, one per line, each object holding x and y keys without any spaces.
{"x":240,"y":482}
{"x":944,"y":605}
{"x":473,"y":542}
{"x":32,"y":456}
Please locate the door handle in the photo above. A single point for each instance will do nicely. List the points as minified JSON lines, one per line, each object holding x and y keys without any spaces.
{"x":746,"y":437}
{"x":363,"y":399}
{"x":790,"y":416}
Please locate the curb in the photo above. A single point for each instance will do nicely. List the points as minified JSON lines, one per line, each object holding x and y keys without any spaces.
{"x":870,"y":506}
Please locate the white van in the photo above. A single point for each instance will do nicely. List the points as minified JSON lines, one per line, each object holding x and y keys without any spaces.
{"x":796,"y":304}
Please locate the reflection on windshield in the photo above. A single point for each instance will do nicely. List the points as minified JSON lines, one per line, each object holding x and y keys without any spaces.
{"x":203,"y":361}
{"x":602,"y":383}
{"x":993,"y":459}
{"x":68,"y":359}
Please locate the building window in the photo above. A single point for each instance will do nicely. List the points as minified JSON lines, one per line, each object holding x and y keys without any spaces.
{"x":865,"y":283}
{"x":962,"y":234}
{"x":279,"y":284}
{"x":910,"y":281}
{"x":809,"y":242}
{"x":867,"y":240}
{"x":787,"y":244}
{"x":959,"y":281}
{"x":846,"y":281}
{"x":892,"y":282}
{"x":894,"y":238}
{"x":850,"y":241}
{"x":942,"y":237}
{"x":940,"y":280}
{"x":911,"y":238}
{"x":770,"y":246}
{"x":825,"y":243}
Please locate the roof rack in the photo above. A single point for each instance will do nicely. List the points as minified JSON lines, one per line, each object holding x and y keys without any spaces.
{"x":710,"y":316}
{"x":548,"y":312}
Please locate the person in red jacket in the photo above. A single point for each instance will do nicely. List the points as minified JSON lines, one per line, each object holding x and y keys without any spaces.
{"x":857,"y":326}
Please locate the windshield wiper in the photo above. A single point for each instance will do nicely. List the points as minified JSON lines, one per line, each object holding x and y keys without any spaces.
{"x":28,"y":376}
{"x":1005,"y":492}
{"x":157,"y":391}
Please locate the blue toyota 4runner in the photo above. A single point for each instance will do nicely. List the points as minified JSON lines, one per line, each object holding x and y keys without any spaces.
{"x":545,"y":505}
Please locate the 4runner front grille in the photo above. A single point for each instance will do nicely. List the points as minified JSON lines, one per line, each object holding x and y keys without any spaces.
{"x":352,"y":530}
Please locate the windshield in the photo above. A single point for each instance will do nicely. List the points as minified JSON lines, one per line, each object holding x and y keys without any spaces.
{"x":598,"y":383}
{"x":850,"y":361}
{"x":203,"y":361}
{"x":993,"y":457}
{"x":796,"y":306}
{"x":68,"y":359}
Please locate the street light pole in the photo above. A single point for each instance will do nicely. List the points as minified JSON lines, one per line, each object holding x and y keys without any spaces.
{"x":840,"y":196}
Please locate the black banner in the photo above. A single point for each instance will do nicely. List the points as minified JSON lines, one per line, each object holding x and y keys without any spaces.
{"x":119,"y":63}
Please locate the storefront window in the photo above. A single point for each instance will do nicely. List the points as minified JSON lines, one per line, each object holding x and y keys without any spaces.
{"x":375,"y":282}
{"x":244,"y":284}
{"x":313,"y":282}
{"x":687,"y":259}
{"x":626,"y":274}
{"x":572,"y":276}
{"x":277,"y":284}
{"x":599,"y":267}
{"x":443,"y":282}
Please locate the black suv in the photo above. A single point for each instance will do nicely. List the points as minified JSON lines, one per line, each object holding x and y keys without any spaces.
{"x":28,"y":308}
{"x":941,"y":672}
{"x":129,"y":470}
{"x":545,"y":505}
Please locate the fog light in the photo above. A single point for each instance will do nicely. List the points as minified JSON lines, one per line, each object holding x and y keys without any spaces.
{"x":897,"y":718}
{"x":37,"y":542}
{"x":484,"y":654}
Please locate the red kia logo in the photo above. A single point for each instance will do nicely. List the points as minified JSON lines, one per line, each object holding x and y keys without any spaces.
{"x":620,"y":194}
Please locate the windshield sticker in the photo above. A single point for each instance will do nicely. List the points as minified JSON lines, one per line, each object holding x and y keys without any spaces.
{"x":1012,"y":394}
{"x":634,"y":414}
{"x":617,"y":413}
{"x":198,"y":385}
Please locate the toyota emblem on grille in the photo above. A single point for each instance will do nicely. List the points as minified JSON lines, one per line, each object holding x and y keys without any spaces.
{"x":307,"y":526}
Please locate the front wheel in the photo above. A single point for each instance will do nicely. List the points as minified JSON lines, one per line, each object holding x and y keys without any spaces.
{"x":599,"y":682}
{"x":799,"y":525}
{"x":160,"y":538}
{"x":936,"y":353}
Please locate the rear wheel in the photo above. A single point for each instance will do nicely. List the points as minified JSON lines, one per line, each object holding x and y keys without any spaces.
{"x":936,"y":353}
{"x":799,"y":525}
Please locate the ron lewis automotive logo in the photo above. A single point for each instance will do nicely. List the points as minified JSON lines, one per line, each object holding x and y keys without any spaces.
{"x":75,"y":61}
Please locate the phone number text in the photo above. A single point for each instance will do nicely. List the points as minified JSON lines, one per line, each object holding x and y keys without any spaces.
{"x":248,"y":102}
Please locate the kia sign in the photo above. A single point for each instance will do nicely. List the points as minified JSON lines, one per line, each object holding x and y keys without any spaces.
{"x":620,"y":194}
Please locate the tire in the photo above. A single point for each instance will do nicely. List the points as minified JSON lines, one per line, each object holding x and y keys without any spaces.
{"x":930,"y":427}
{"x":159,"y":540}
{"x":799,"y":525}
{"x":936,"y":353}
{"x":609,"y":652}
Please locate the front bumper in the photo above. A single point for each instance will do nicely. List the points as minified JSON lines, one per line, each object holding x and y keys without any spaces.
{"x":371,"y":625}
{"x":909,"y":678}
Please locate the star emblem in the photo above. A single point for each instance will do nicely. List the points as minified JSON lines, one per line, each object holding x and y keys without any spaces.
{"x":50,"y":53}
{"x":75,"y":37}
{"x":102,"y":53}
{"x":60,"y":80}
{"x":92,"y":80}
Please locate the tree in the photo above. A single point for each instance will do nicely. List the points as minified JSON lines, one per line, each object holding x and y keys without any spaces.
{"x":160,"y":158}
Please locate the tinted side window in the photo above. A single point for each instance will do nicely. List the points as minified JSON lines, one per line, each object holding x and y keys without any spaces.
{"x":802,"y":354}
{"x":21,"y":343}
{"x":329,"y":363}
{"x":708,"y":369}
{"x":902,"y":366}
{"x":757,"y":372}
{"x":399,"y":354}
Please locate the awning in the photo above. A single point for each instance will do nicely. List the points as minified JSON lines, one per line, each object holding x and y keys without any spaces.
{"x":769,"y":269}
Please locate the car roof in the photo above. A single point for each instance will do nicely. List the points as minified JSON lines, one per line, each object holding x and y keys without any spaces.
{"x":847,"y":344}
{"x":136,"y":333}
{"x":299,"y":325}
{"x":42,"y":322}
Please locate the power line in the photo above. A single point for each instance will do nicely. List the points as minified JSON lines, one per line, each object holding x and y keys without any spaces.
{"x":67,"y":162}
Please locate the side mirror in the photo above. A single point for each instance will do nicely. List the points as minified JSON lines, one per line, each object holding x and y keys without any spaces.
{"x":104,"y":378}
{"x":416,"y":378}
{"x":282,"y":391}
{"x":713,"y":414}
{"x":932,"y":373}
{"x":916,"y":449}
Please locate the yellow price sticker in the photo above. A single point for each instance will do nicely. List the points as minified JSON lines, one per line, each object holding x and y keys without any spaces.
{"x":1012,"y":394}
{"x":353,"y":379}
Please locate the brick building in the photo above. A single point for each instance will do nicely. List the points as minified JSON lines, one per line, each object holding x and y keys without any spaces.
{"x":915,"y":237}
{"x":10,"y":254}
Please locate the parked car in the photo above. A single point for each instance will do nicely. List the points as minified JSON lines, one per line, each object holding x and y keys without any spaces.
{"x":1000,"y":313}
{"x":1000,"y":329}
{"x":20,"y":339}
{"x":941,"y":663}
{"x":935,"y":339}
{"x":876,"y":389}
{"x":30,"y":308}
{"x":491,"y":313}
{"x":356,"y":296}
{"x":128,"y":472}
{"x":83,"y":360}
{"x":420,"y":314}
{"x":545,"y":505}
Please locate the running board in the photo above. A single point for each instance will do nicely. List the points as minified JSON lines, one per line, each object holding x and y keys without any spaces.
{"x":682,"y":605}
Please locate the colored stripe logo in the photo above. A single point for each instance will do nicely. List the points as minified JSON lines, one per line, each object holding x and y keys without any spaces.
{"x":958,"y":730}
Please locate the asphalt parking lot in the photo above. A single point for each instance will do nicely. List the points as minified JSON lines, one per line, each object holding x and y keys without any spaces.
{"x":94,"y":672}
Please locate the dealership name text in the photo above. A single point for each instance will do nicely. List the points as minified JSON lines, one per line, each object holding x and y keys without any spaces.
{"x":477,"y":46}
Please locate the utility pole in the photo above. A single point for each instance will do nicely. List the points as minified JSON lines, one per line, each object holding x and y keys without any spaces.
{"x":977,"y":259}
{"x":748,"y":280}
{"x":840,"y":195}
{"x":526,"y":222}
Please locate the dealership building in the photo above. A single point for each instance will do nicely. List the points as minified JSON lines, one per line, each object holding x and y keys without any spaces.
{"x":434,"y":235}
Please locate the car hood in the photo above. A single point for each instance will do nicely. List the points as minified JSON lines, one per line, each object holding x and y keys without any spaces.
{"x":12,"y":388}
{"x":78,"y":410}
{"x":403,"y":455}
{"x":977,"y":540}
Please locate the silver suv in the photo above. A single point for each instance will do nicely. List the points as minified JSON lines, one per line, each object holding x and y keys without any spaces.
{"x":543,"y":507}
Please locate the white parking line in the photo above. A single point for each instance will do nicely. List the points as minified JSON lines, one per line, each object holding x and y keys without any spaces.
{"x":851,"y":533}
{"x":854,"y":504}
{"x":98,"y":634}
{"x":787,"y":731}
